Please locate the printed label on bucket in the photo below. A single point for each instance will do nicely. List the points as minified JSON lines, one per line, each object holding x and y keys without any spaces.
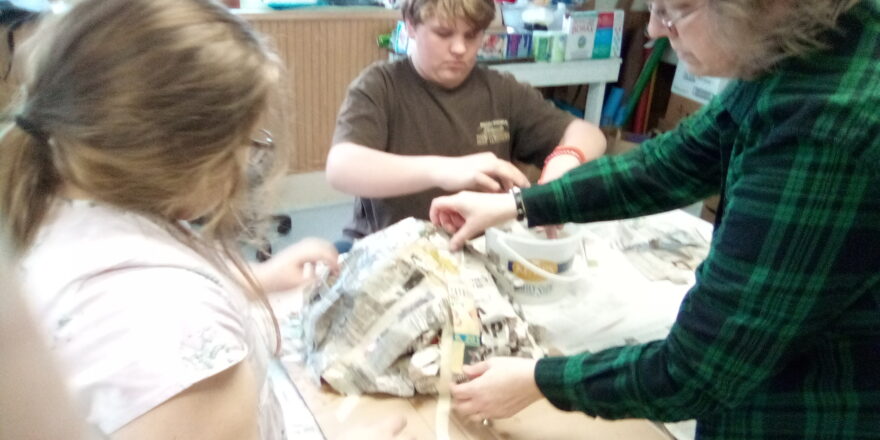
{"x":525,"y":274}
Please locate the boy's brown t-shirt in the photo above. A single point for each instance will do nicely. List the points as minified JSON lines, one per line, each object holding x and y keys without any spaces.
{"x":391,"y":108}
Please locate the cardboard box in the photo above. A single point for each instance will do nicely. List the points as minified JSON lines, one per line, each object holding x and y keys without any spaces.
{"x":609,"y":35}
{"x":618,"y":143}
{"x":581,"y":29}
{"x":494,"y":47}
{"x":593,"y":34}
{"x":519,"y":46}
{"x":679,"y":107}
{"x":542,"y":46}
{"x":696,"y":88}
{"x":400,"y":41}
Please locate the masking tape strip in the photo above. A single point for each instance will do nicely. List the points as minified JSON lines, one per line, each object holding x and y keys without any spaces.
{"x":441,"y":422}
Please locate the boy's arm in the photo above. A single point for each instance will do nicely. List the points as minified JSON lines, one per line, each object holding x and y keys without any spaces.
{"x":367,"y":172}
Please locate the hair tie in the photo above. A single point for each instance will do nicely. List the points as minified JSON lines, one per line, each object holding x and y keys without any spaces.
{"x":32,"y":129}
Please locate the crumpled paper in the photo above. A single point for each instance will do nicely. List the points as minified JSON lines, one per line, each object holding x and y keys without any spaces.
{"x":661,"y":250}
{"x":375,"y":328}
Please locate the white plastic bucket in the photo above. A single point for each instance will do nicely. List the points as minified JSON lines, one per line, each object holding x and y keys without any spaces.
{"x":532,"y":257}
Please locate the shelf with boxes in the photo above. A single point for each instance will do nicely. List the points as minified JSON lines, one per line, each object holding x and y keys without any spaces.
{"x":584,"y":35}
{"x":595,"y":73}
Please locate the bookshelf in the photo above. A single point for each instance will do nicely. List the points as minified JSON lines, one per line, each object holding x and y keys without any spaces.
{"x":594,"y":73}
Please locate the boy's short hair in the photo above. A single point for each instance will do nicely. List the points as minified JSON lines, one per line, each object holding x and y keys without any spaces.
{"x":477,"y":13}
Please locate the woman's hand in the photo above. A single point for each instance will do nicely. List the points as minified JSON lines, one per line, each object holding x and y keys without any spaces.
{"x":498,"y":388}
{"x":294,"y":265}
{"x":467,"y":214}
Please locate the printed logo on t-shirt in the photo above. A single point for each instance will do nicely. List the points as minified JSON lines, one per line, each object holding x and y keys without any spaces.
{"x":493,"y":132}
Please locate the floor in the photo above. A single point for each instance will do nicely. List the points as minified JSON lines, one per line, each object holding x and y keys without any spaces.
{"x":323,"y":222}
{"x":315,"y":210}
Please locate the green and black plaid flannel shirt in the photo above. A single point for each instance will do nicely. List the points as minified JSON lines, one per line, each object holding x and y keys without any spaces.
{"x":780,"y":336}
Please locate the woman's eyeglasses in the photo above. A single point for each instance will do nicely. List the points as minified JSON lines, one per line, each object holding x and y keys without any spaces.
{"x":668,"y":20}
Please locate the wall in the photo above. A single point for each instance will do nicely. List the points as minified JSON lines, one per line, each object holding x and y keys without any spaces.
{"x":324,"y":49}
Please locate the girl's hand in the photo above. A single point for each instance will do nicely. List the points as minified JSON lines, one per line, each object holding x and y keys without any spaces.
{"x":295,"y":265}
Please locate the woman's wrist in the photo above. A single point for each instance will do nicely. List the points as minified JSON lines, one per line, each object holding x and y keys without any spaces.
{"x":519,"y":205}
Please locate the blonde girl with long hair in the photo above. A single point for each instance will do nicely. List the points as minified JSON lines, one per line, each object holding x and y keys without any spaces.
{"x":137,"y":116}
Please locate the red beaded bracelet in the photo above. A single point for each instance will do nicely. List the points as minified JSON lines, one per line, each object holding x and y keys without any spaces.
{"x":571,"y":151}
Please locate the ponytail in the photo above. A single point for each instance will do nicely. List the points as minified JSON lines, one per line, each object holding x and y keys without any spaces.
{"x":28,"y":181}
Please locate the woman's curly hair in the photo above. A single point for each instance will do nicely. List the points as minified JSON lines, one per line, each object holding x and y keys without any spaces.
{"x":761,"y":33}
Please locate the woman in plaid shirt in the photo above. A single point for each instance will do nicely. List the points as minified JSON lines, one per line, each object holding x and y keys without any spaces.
{"x":780,"y":336}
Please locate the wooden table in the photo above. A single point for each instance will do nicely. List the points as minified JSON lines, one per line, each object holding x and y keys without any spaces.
{"x":540,"y":421}
{"x":616,"y":304}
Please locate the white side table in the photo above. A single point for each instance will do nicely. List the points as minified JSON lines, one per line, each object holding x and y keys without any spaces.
{"x":593,"y":73}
